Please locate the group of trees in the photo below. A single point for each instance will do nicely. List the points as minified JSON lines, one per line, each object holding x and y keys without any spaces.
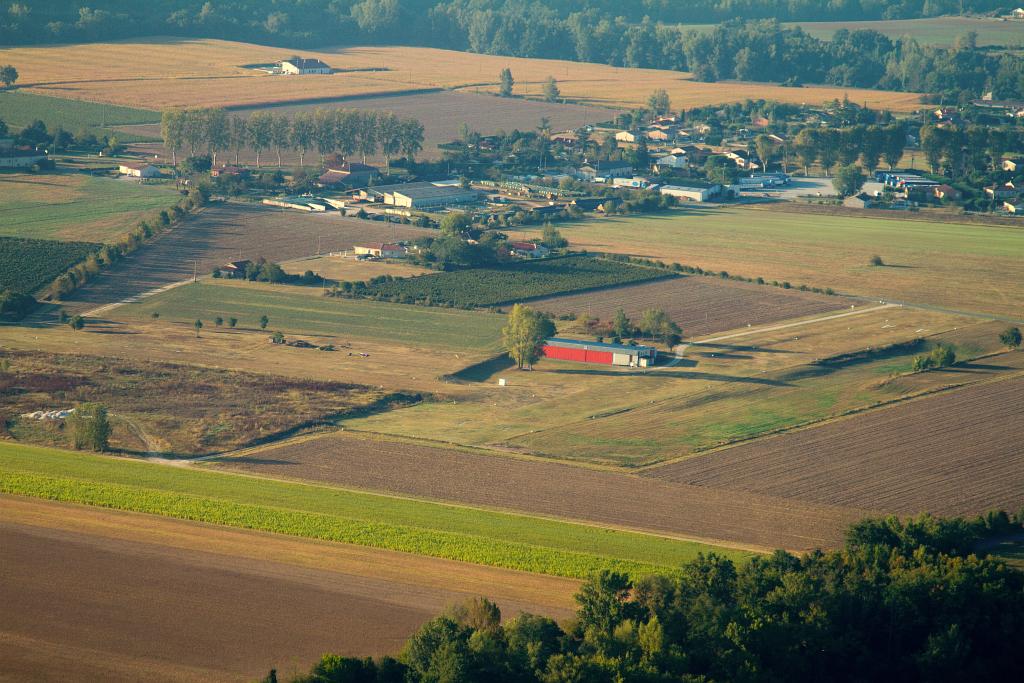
{"x":901,"y":601}
{"x":845,"y":146}
{"x":90,"y":427}
{"x":654,"y":323}
{"x":324,"y":131}
{"x":8,"y":75}
{"x":36,"y":134}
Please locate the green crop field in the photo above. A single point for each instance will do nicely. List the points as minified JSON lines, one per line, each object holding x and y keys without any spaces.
{"x":514,"y":282}
{"x":18,"y":109}
{"x":76,"y":207}
{"x":303,"y":310}
{"x":27,"y":265}
{"x":459,"y":533}
{"x":963,"y":267}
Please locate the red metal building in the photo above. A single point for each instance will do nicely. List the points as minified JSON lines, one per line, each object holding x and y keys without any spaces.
{"x":599,"y":352}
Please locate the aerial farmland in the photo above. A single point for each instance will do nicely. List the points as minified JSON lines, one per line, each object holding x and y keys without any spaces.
{"x":391,"y":341}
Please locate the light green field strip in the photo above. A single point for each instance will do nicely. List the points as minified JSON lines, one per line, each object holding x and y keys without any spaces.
{"x":297,"y":311}
{"x":433,"y":529}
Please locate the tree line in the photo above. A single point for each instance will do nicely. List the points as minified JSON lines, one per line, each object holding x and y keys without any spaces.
{"x":900,"y":601}
{"x":750,"y":44}
{"x":322,"y":130}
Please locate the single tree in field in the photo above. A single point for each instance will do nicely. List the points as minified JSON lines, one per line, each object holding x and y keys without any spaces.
{"x":848,"y":180}
{"x":621,"y":325}
{"x":659,"y":102}
{"x":90,"y":427}
{"x":524,"y":335}
{"x":218,"y":321}
{"x":77,"y":322}
{"x":232,"y":322}
{"x":264,"y":321}
{"x":506,"y":82}
{"x":876,"y":261}
{"x":1010,"y":337}
{"x":154,"y":315}
{"x":198,"y":325}
{"x":277,"y":337}
{"x":8,"y":75}
{"x":551,"y":91}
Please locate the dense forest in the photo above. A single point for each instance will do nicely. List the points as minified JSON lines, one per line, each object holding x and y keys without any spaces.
{"x":748,"y":44}
{"x":900,"y":602}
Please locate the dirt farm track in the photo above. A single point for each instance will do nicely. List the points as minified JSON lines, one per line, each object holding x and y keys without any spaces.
{"x":955,"y":453}
{"x":92,"y":594}
{"x":552,"y":489}
{"x":699,"y":305}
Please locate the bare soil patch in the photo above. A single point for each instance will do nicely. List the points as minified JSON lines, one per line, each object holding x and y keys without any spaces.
{"x":954,"y":453}
{"x":225,"y":233}
{"x":699,"y":305}
{"x":558,"y":490}
{"x":108,"y":595}
{"x":167,"y":407}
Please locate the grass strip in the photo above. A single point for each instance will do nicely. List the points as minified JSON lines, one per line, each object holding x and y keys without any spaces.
{"x":524,"y":531}
{"x":434,"y":543}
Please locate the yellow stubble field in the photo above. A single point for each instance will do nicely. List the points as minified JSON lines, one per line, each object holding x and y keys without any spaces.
{"x":157,"y":73}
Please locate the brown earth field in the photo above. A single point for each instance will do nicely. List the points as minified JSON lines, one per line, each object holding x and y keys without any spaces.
{"x":441,"y":113}
{"x":953,"y":453}
{"x":228,"y":232}
{"x":92,"y":594}
{"x":552,"y":489}
{"x":699,"y":305}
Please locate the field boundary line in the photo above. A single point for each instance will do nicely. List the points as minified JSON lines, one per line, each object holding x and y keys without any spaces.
{"x":135,"y":298}
{"x":849,"y":414}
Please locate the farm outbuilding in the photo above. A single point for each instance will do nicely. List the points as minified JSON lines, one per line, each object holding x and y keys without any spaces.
{"x":138,"y":170}
{"x":599,"y":352}
{"x":298,"y":66}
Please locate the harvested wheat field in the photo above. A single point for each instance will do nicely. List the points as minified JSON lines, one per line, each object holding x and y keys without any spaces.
{"x":174,"y":72}
{"x":115,"y":596}
{"x":699,"y":305}
{"x":227,"y":233}
{"x":955,"y":453}
{"x":552,"y":489}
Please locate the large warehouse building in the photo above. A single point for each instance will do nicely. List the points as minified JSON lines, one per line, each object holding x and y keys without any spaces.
{"x":599,"y":352}
{"x":425,"y":195}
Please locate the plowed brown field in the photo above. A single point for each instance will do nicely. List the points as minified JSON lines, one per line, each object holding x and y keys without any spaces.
{"x":93,"y":594}
{"x":227,"y":233}
{"x":955,"y":453}
{"x":699,"y":305}
{"x":546,"y":488}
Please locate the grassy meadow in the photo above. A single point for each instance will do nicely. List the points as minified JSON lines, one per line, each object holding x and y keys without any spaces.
{"x":303,"y":310}
{"x":76,"y":207}
{"x":723,"y":392}
{"x":939,"y":31}
{"x":961,"y":267}
{"x":171,"y":72}
{"x":453,"y":532}
{"x":19,"y":109}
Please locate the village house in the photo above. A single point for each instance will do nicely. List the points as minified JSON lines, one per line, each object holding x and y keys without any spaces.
{"x":13,"y":156}
{"x":859,"y":201}
{"x":229,"y":170}
{"x":568,"y":138}
{"x":528,"y":249}
{"x":604,"y":169}
{"x":1012,"y":165}
{"x":587,"y":203}
{"x":661,"y":134}
{"x":347,"y":173}
{"x":1015,"y":207}
{"x":138,"y":169}
{"x":381,"y":250}
{"x":1018,"y":14}
{"x":670,"y":162}
{"x":946,"y":192}
{"x":741,"y":159}
{"x":691,"y":193}
{"x":236,"y":268}
{"x":1005,"y":191}
{"x":297,"y":66}
{"x":628,"y":136}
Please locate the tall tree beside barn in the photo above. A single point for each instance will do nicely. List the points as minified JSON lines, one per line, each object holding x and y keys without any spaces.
{"x":389,"y":131}
{"x":524,"y":335}
{"x":412,"y":138}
